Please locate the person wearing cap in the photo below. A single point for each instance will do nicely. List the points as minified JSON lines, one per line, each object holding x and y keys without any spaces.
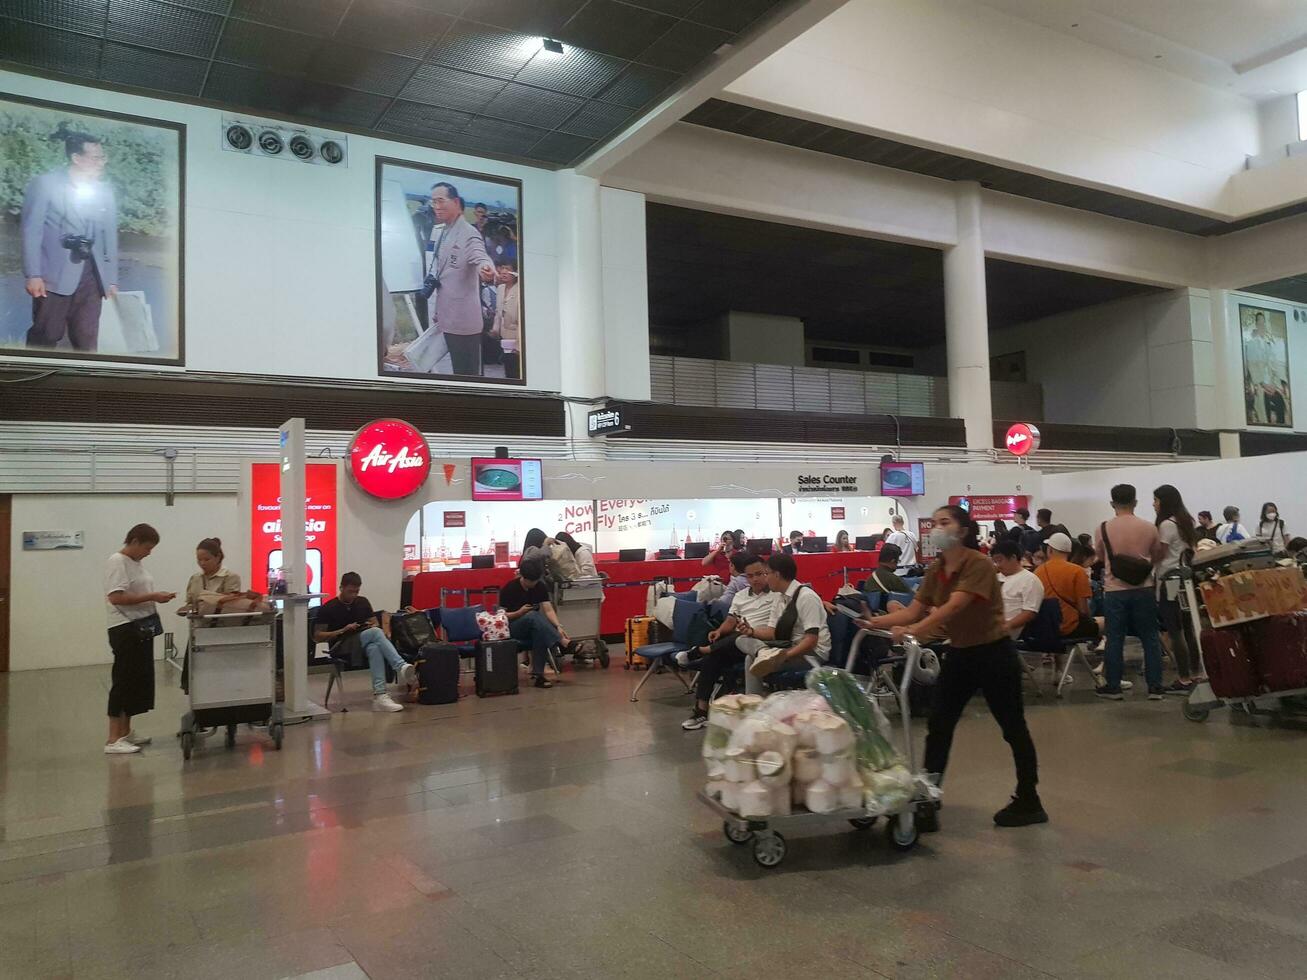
{"x":1068,"y":583}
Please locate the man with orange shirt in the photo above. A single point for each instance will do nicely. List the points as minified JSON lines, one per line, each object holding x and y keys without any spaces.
{"x":1069,"y":585}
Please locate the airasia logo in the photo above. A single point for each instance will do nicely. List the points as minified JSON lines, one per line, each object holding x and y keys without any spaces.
{"x":389,"y":459}
{"x":1022,"y":439}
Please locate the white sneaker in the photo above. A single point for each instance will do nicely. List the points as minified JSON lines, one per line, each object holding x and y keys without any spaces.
{"x":380,"y":702}
{"x":682,"y":658}
{"x":138,"y":739}
{"x":1127,"y":685}
{"x":121,"y":747}
{"x":406,"y":676}
{"x":1098,"y":674}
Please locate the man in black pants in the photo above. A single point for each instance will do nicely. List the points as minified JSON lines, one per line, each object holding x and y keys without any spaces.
{"x":755,"y":606}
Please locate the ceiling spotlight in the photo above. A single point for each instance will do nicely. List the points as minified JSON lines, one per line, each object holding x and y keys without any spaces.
{"x":331,"y":151}
{"x":552,"y":46}
{"x":270,"y":143}
{"x":302,"y":147}
{"x":238,"y":137}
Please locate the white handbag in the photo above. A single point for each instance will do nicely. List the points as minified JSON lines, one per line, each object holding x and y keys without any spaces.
{"x":709,"y":588}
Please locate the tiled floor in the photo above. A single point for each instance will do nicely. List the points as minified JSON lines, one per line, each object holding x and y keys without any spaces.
{"x":556,"y":834}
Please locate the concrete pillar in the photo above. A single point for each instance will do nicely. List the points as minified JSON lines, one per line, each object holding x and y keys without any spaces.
{"x":580,"y":285}
{"x":967,"y":323}
{"x":1227,"y":355}
{"x":626,"y":295}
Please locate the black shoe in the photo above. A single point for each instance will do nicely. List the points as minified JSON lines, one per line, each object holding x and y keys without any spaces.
{"x":539,"y":681}
{"x":1021,"y":813}
{"x":927,"y":818}
{"x":1110,"y":693}
{"x":1156,"y":693}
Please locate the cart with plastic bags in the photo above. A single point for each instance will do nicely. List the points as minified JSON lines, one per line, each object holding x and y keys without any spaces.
{"x":822,"y":754}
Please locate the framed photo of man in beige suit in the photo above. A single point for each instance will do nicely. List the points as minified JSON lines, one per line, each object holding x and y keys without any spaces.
{"x":449,"y":263}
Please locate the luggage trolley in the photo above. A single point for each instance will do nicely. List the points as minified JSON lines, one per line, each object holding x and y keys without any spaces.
{"x":901,"y":831}
{"x":578,"y":604}
{"x":1253,"y":553}
{"x":233,"y":676}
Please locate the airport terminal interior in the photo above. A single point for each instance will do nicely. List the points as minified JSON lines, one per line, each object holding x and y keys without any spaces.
{"x":653,"y":488}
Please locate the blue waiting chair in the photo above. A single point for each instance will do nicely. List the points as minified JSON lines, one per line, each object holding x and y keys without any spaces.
{"x":1043,"y":635}
{"x":664,"y":654}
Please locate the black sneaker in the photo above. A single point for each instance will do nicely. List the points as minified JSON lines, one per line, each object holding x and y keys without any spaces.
{"x":1109,"y":693}
{"x":927,"y":818}
{"x":1156,"y":693}
{"x":1021,"y":813}
{"x":698,"y":719}
{"x":1180,"y":687}
{"x":539,"y":681}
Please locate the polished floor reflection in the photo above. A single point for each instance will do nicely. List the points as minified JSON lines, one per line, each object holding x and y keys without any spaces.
{"x":556,"y":834}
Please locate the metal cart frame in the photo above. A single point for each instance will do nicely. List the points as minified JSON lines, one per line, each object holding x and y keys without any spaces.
{"x":901,"y":831}
{"x":233,"y":676}
{"x":579,"y":605}
{"x":1202,"y":699}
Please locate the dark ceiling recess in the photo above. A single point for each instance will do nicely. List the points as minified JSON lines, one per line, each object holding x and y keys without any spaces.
{"x":1293,"y":289}
{"x":777,"y":128}
{"x":467,"y":75}
{"x":844,"y":288}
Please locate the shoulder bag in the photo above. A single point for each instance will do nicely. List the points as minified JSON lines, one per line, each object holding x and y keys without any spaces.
{"x":1130,"y":569}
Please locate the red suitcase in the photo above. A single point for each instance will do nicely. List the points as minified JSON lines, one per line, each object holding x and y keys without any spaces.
{"x":1279,"y":648}
{"x":1230,"y":665}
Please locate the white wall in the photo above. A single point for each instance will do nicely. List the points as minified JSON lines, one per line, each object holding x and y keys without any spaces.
{"x":626,"y":294}
{"x":280,"y":268}
{"x":1080,"y":500}
{"x":57,"y":608}
{"x":965,"y":77}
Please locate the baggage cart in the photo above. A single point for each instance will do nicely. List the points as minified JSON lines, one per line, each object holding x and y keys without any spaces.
{"x":233,"y":677}
{"x":578,"y":604}
{"x":1202,"y":700}
{"x":901,"y":831}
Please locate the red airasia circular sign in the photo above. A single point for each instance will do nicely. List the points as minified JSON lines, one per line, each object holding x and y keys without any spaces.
{"x":389,"y":459}
{"x":1022,"y":439}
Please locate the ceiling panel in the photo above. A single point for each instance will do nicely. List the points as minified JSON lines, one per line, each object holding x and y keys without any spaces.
{"x":469,"y":75}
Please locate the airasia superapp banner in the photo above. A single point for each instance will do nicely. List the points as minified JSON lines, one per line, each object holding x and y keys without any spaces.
{"x":320,"y":517}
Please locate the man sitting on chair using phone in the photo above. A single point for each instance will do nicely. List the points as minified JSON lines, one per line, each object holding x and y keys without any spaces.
{"x":751,"y":607}
{"x":348,"y":621}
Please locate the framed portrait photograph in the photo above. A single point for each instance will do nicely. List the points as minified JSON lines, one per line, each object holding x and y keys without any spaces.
{"x":1264,"y":336}
{"x":91,"y":240}
{"x":449,"y":275}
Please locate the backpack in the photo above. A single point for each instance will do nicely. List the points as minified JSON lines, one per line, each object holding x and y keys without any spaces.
{"x":1234,"y":533}
{"x":701,"y":624}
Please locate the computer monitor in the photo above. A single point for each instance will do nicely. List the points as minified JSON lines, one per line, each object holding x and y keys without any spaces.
{"x":631,"y":554}
{"x":815,"y":545}
{"x":483,"y":561}
{"x":866,"y":542}
{"x":666,"y":553}
{"x":760,"y":546}
{"x":697,"y":549}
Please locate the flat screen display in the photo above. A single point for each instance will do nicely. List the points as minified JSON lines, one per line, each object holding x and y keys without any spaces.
{"x":902,"y":479}
{"x":507,"y":479}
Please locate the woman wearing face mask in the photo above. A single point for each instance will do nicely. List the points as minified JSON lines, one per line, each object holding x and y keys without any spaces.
{"x":961,"y":591}
{"x":1270,"y":526}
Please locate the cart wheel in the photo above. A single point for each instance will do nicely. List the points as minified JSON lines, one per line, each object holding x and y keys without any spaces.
{"x":1193,"y":712}
{"x":900,"y":836}
{"x":862,"y":823}
{"x":734,"y":834}
{"x":188,"y":743}
{"x":604,"y":659}
{"x":276,"y":730}
{"x":769,"y":849}
{"x":231,"y":736}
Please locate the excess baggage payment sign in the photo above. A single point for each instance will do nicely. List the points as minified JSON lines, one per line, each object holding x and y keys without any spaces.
{"x":320,"y":525}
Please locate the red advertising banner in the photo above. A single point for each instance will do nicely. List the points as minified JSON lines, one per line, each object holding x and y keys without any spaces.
{"x":837,"y":513}
{"x":924,"y":548}
{"x":320,"y":525}
{"x":992,"y":508}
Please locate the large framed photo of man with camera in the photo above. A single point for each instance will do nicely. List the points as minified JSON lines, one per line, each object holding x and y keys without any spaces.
{"x":90,"y":234}
{"x":449,"y":274}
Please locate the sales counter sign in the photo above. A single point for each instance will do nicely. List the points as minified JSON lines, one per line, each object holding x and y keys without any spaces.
{"x":320,"y":524}
{"x":834,"y":483}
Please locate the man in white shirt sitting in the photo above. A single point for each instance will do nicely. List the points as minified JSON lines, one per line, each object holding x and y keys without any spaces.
{"x":1023,"y":593}
{"x":754,"y":606}
{"x":906,"y":543}
{"x":798,"y":631}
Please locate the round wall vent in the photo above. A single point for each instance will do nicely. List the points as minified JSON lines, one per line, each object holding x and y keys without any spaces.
{"x":270,"y":143}
{"x":239,"y":138}
{"x":302,"y":147}
{"x":332,"y":151}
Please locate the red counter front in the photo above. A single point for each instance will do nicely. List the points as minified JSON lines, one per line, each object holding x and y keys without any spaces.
{"x":628,"y":582}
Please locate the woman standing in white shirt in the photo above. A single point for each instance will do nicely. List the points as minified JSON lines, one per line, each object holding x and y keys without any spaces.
{"x":133,"y":624}
{"x":1269,"y":525}
{"x":1175,"y":526}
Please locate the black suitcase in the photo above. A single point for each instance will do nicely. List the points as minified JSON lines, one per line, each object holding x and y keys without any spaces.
{"x":496,"y":668}
{"x":438,"y":668}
